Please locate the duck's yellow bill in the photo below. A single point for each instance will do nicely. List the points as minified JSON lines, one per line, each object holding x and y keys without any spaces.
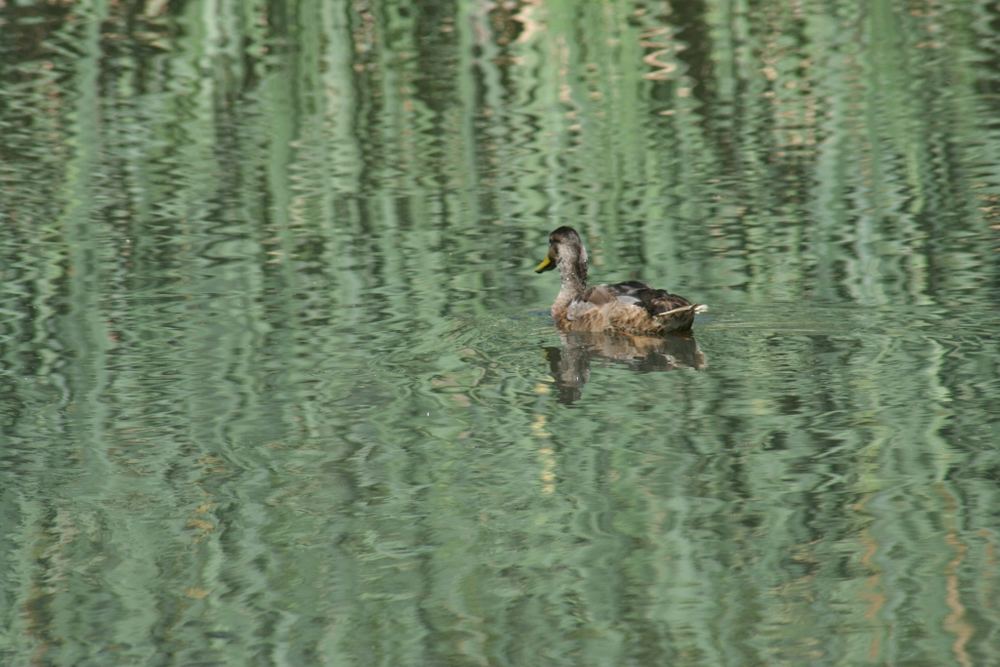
{"x":545,"y":265}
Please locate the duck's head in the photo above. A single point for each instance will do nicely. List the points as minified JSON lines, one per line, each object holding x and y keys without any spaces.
{"x":567,"y":252}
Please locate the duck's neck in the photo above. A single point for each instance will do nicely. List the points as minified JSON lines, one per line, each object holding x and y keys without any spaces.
{"x":573,"y":285}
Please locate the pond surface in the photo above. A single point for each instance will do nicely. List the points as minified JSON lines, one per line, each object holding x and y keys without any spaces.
{"x":278,"y":385}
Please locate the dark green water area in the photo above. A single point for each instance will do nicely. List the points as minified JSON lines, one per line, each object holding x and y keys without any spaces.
{"x":278,"y":385}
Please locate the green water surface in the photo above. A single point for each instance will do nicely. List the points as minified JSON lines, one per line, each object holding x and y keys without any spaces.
{"x":279,"y":387}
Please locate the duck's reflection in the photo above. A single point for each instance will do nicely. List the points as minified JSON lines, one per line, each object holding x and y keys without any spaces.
{"x":570,"y":363}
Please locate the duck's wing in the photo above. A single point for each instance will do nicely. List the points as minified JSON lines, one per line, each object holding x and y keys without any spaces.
{"x":653,"y":301}
{"x":630,"y":293}
{"x":647,"y":300}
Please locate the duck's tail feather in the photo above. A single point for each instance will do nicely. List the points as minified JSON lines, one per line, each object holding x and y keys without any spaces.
{"x":694,"y":307}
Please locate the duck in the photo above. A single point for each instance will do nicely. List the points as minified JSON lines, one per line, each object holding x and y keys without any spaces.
{"x":631,"y":308}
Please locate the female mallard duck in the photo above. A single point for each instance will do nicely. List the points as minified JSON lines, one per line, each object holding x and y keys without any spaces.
{"x":629,"y":308}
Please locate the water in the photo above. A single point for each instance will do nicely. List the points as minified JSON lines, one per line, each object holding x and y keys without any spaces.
{"x":279,"y":386}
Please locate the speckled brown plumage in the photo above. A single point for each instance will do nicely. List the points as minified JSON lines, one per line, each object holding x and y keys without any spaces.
{"x":631,"y":307}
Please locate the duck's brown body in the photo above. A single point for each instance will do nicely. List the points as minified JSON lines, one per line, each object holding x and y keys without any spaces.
{"x":632,"y":307}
